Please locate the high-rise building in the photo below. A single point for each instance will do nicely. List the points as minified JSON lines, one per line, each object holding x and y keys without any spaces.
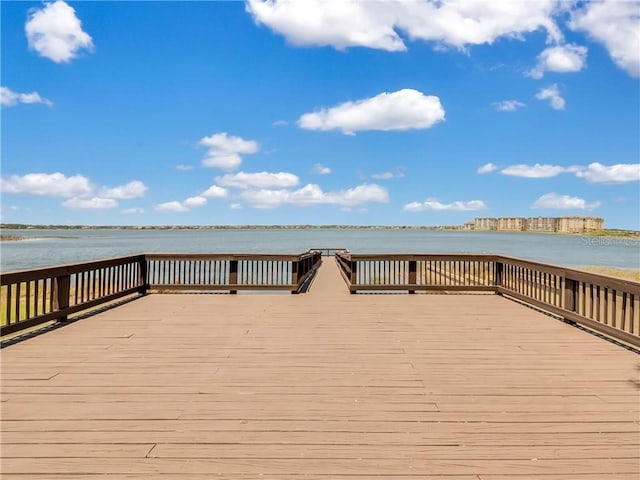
{"x":511,"y":224}
{"x":486,"y":223}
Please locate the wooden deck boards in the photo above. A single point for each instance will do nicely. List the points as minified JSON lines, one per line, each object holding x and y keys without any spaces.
{"x":317,"y":386}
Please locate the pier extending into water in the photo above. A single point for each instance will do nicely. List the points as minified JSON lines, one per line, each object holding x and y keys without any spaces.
{"x":324,"y":384}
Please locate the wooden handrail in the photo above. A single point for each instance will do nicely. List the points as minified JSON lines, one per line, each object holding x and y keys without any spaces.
{"x":606,"y":304}
{"x":35,"y":296}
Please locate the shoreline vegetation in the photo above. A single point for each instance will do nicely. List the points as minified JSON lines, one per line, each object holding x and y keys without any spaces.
{"x":619,"y":233}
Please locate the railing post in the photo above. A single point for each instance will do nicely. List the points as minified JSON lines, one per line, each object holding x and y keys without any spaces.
{"x":294,"y":274}
{"x":143,"y":274}
{"x":498,"y":275}
{"x":233,"y":274}
{"x":569,"y":295}
{"x":61,"y":286}
{"x":353,"y":274}
{"x":413,"y":267}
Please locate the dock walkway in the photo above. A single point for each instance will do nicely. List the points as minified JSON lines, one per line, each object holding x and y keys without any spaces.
{"x":320,"y":385}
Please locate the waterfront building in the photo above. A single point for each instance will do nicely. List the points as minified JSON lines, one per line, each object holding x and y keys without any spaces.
{"x":542,"y":224}
{"x":511,"y":224}
{"x":486,"y":223}
{"x":537,"y":224}
{"x":579,"y":224}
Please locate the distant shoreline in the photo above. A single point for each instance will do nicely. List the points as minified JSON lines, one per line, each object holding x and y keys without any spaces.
{"x":634,"y":234}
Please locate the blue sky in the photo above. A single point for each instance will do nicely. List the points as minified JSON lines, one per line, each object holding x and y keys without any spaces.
{"x":319,"y":112}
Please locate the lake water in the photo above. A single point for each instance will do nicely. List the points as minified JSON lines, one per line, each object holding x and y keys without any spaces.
{"x":53,"y":247}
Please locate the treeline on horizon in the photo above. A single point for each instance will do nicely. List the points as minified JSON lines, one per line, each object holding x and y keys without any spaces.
{"x":22,"y":226}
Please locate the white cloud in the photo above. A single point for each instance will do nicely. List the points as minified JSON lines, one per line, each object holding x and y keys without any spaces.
{"x":52,"y":184}
{"x":171,"y":207}
{"x":616,"y":24}
{"x":133,"y":211}
{"x":552,"y":94}
{"x":534,"y":171}
{"x":620,"y":173}
{"x":224,"y":150}
{"x":184,"y":168}
{"x":9,"y":98}
{"x":312,"y":194}
{"x":280,"y":123}
{"x":319,"y":169}
{"x":487,"y":168}
{"x":235,"y":206}
{"x":215,"y":191}
{"x":402,"y":110}
{"x":508,"y":105}
{"x":94,"y":203}
{"x":434,"y":204}
{"x":258,"y":180}
{"x":566,"y":202}
{"x":134,"y":189}
{"x":192,"y":202}
{"x":344,"y":24}
{"x":592,"y":173}
{"x":195,"y":202}
{"x":561,"y":58}
{"x":55,"y":32}
{"x":398,"y":173}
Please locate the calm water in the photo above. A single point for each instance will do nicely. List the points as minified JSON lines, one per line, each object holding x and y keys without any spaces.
{"x":67,"y":246}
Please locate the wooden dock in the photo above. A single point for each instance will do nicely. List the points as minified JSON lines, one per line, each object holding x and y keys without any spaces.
{"x":323,"y":385}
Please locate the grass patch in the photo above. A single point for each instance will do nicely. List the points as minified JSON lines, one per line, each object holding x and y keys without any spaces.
{"x":624,"y":273}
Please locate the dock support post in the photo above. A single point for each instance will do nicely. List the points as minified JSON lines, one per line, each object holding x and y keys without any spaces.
{"x":233,"y":274}
{"x":413,"y":267}
{"x":61,"y":286}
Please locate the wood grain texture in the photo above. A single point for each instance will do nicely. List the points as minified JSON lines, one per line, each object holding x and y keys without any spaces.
{"x":320,"y":386}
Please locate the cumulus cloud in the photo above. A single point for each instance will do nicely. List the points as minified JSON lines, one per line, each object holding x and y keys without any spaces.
{"x":616,"y":24}
{"x":508,"y":105}
{"x":55,"y":32}
{"x":319,"y":169}
{"x":434,"y":204}
{"x":405,"y":109}
{"x":224,"y":151}
{"x":9,"y":98}
{"x":171,"y":207}
{"x":52,"y":184}
{"x":134,"y":189}
{"x":214,"y":191}
{"x":312,"y":194}
{"x":195,"y":202}
{"x":592,"y":173}
{"x":566,"y":202}
{"x":184,"y":168}
{"x":534,"y":171}
{"x":377,"y":25}
{"x":487,"y":168}
{"x":552,"y":94}
{"x":561,"y":59}
{"x":77,"y":189}
{"x":93,"y":203}
{"x":258,"y":180}
{"x":192,"y":202}
{"x":619,"y":173}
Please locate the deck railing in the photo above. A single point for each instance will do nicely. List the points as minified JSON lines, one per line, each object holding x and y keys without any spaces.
{"x":31,"y":297}
{"x":230,"y":272}
{"x":606,"y":304}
